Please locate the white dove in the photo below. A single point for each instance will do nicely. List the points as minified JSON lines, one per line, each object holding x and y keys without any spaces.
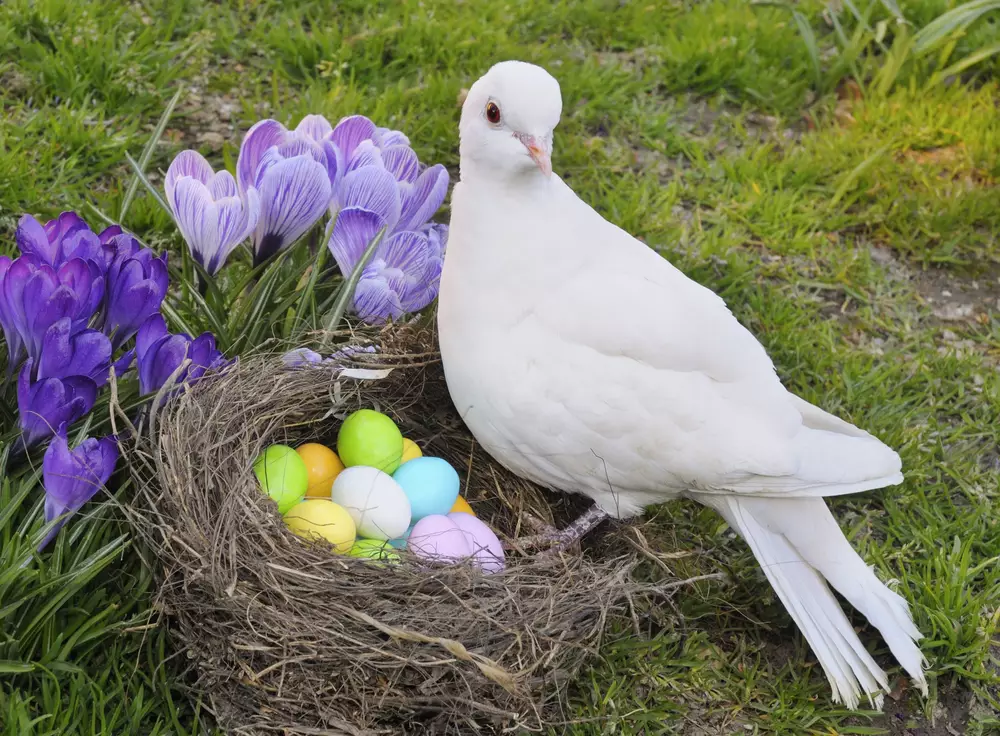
{"x":582,"y":360}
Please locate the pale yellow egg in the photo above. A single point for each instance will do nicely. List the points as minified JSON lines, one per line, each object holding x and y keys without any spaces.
{"x":317,"y":518}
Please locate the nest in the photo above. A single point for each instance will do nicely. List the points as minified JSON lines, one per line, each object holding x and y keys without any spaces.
{"x":286,"y":637}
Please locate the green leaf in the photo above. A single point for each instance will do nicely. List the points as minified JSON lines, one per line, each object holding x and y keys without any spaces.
{"x":147,"y":152}
{"x":955,"y":20}
{"x":960,"y":66}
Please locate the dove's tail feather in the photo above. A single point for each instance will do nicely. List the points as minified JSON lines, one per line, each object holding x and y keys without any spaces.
{"x":798,"y":543}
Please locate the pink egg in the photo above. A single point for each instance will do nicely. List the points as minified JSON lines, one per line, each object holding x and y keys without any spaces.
{"x":436,"y":537}
{"x":486,"y":547}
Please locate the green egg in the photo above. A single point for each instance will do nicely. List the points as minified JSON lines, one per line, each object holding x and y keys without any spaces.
{"x":370,"y":438}
{"x":373,"y":549}
{"x":283,"y":475}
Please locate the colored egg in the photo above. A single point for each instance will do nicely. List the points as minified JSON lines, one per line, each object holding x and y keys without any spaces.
{"x":430,"y":483}
{"x":374,"y":500}
{"x":322,"y":466}
{"x":438,"y":538}
{"x":317,"y":518}
{"x":401,"y":541}
{"x":461,"y":506}
{"x":373,"y":549}
{"x":369,"y":438}
{"x":486,"y":548}
{"x":411,"y":451}
{"x":282,"y":475}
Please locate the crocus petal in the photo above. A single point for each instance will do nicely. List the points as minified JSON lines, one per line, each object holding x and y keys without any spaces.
{"x":423,"y":198}
{"x":46,"y":404}
{"x":366,"y":154}
{"x":223,"y":185}
{"x":237,"y":219}
{"x":350,"y":132}
{"x":112,"y":231}
{"x":197,"y":218}
{"x":152,"y":331}
{"x":352,"y":233}
{"x":159,"y":363}
{"x":294,"y":194}
{"x":31,"y":238}
{"x":391,"y":137}
{"x":374,"y":189}
{"x":335,"y":165}
{"x":301,"y":358}
{"x":375,"y":302}
{"x":187,"y":164}
{"x":262,"y":136}
{"x":124,"y":363}
{"x":316,"y":127}
{"x":406,"y":252}
{"x":402,"y":162}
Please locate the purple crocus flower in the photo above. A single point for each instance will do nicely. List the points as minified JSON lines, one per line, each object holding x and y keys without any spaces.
{"x":403,"y":273}
{"x":159,"y":354}
{"x":34,"y":296}
{"x":290,"y":173}
{"x":65,"y":354}
{"x":46,"y":403}
{"x":208,"y":209}
{"x":73,"y":477}
{"x":59,"y":240}
{"x":137,"y":281}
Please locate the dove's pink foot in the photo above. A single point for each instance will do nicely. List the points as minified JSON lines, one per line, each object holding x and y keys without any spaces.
{"x":556,"y":540}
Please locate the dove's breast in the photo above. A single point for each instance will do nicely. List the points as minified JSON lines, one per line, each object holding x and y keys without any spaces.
{"x":541,"y":408}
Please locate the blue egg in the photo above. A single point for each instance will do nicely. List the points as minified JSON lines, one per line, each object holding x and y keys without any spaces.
{"x":430,"y":483}
{"x":401,"y":541}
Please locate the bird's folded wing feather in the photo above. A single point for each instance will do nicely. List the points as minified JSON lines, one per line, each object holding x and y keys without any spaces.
{"x":694,"y":381}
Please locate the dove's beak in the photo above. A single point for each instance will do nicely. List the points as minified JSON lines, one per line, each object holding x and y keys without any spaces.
{"x":540,"y":150}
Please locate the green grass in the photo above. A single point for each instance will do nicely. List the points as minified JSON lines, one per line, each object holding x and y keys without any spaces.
{"x":714,"y":131}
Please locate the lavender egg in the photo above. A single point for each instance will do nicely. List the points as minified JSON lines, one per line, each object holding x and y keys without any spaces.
{"x":437,"y":538}
{"x":486,"y":548}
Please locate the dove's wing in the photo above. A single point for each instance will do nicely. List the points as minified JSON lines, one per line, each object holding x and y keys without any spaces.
{"x":699,"y":385}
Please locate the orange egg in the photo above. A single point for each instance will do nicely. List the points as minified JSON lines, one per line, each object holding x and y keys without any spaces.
{"x":322,"y":467}
{"x":462,"y":505}
{"x":410,"y":450}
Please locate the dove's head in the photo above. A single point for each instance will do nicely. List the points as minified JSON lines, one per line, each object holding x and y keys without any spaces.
{"x":507,"y":122}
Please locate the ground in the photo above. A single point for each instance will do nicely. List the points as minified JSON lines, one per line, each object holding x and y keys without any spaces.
{"x":838,"y":192}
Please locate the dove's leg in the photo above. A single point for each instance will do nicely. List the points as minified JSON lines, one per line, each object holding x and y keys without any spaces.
{"x":564,"y":537}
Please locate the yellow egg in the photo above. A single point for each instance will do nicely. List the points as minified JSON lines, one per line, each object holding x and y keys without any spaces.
{"x":410,"y":450}
{"x":322,"y":468}
{"x":316,"y":518}
{"x":463,"y":506}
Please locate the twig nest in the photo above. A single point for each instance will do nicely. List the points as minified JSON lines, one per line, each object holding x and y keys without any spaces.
{"x":287,"y":636}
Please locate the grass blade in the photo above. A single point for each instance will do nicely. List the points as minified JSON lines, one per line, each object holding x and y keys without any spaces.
{"x":141,"y":176}
{"x":856,"y":173}
{"x":147,"y":152}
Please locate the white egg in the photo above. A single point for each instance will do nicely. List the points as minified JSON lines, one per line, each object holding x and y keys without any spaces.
{"x":375,"y":501}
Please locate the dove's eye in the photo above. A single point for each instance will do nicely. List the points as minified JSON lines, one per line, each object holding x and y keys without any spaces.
{"x":492,"y":113}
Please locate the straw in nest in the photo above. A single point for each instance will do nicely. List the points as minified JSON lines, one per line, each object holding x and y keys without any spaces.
{"x":287,"y":637}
